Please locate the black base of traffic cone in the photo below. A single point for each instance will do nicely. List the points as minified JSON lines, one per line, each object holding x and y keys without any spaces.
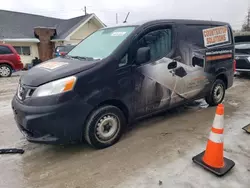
{"x":247,"y":128}
{"x":229,"y":164}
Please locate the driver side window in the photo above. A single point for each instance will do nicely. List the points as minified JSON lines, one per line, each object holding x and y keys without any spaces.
{"x":159,"y":41}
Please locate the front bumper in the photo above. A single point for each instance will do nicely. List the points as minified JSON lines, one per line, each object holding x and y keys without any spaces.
{"x":242,"y":70}
{"x":18,"y":67}
{"x":55,"y":124}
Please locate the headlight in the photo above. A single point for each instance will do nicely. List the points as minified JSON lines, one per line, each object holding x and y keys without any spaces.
{"x":55,"y":87}
{"x":248,"y":58}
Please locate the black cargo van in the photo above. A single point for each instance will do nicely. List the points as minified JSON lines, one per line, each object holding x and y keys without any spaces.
{"x":119,"y":74}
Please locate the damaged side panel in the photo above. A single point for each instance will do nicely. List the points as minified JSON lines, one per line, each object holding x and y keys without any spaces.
{"x":158,"y":87}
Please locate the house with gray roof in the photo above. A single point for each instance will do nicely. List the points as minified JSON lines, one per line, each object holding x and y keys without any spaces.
{"x":21,"y":30}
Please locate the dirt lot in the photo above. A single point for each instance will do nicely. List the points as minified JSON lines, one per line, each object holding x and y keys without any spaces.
{"x":156,"y":149}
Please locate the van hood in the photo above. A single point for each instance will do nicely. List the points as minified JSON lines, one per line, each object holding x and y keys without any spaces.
{"x":55,"y":69}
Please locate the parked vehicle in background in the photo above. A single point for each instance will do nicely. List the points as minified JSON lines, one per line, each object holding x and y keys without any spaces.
{"x":62,"y":50}
{"x":10,"y":60}
{"x":242,"y":57}
{"x":120,"y":74}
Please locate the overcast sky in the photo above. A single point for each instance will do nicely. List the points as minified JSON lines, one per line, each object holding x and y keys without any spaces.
{"x":232,"y":11}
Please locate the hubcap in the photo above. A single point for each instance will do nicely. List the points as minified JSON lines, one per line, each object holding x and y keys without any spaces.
{"x":218,"y":93}
{"x":107,"y":128}
{"x":4,"y":71}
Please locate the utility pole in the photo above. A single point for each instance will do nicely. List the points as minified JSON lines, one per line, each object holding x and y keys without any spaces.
{"x":116,"y":18}
{"x":85,"y":10}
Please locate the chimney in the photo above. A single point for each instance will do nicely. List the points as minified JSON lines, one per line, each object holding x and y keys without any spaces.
{"x":45,"y":47}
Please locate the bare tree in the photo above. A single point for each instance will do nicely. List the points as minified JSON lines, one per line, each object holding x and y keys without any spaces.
{"x":246,"y":25}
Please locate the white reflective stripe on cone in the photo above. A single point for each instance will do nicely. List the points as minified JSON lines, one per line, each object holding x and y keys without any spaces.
{"x":217,"y":138}
{"x":218,"y":121}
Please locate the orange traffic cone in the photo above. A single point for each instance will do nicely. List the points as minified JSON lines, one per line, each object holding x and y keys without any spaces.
{"x":212,"y":158}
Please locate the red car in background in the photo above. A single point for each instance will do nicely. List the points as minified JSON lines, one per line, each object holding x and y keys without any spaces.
{"x":10,"y":60}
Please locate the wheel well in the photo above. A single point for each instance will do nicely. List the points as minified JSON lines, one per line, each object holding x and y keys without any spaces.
{"x":118,"y":104}
{"x":7,"y":64}
{"x":223,"y":77}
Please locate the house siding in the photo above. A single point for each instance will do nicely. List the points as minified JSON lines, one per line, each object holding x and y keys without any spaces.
{"x":33,"y":51}
{"x":82,"y":33}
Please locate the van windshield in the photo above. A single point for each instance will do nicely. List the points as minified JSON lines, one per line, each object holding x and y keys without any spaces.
{"x":101,"y":43}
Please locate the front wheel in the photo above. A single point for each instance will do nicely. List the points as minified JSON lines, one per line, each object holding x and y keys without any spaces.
{"x":5,"y":71}
{"x":104,"y":127}
{"x":217,"y":93}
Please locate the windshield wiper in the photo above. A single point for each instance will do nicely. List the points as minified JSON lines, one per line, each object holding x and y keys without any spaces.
{"x":79,"y":57}
{"x":82,"y":58}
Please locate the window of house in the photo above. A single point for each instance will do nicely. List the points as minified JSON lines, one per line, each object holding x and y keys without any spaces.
{"x":159,"y":41}
{"x":22,"y":50}
{"x":5,"y":50}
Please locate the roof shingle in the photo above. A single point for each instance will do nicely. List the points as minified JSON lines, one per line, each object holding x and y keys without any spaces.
{"x":15,"y":25}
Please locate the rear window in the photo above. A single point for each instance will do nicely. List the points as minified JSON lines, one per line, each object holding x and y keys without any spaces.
{"x":242,"y":48}
{"x":207,"y":35}
{"x":5,"y":50}
{"x":193,"y":34}
{"x":217,"y":36}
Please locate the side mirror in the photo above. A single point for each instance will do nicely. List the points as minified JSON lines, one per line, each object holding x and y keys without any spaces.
{"x":172,"y":65}
{"x":142,"y":55}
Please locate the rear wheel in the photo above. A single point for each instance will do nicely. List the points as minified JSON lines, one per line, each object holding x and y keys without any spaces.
{"x":217,"y":93}
{"x":5,"y":70}
{"x":104,"y":127}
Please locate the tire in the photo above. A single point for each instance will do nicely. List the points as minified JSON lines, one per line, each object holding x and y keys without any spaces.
{"x":217,"y":93}
{"x":106,"y":117}
{"x":5,"y":70}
